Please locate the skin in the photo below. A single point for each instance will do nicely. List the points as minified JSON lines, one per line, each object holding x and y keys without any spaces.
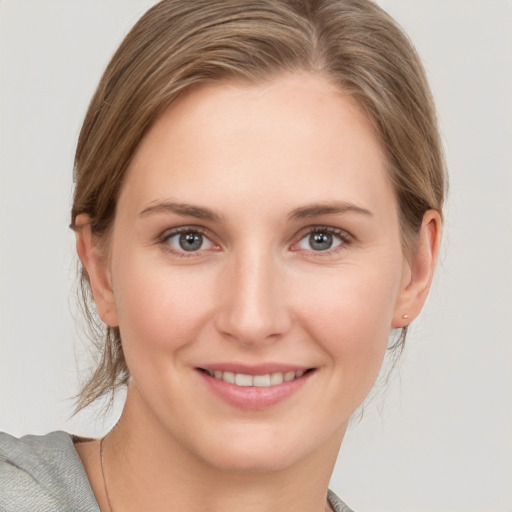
{"x":255,"y":292}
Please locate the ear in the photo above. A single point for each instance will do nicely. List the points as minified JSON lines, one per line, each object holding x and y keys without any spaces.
{"x":96,"y":265}
{"x":419,"y":271}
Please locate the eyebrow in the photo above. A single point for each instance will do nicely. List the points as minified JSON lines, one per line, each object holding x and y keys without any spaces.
{"x":330,"y":208}
{"x":183,"y":209}
{"x":303,"y":212}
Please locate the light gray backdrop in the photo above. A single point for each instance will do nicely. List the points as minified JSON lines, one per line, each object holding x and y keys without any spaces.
{"x":439,"y":437}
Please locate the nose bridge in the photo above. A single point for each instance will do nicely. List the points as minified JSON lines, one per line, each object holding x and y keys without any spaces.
{"x":254,"y":308}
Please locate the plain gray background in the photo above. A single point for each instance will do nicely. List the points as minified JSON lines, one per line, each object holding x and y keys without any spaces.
{"x":438,"y":437}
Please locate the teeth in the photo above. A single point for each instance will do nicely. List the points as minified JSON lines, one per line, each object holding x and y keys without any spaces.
{"x":276,"y":378}
{"x":288,"y":376}
{"x":261,"y":381}
{"x":228,"y":377}
{"x":243,"y":380}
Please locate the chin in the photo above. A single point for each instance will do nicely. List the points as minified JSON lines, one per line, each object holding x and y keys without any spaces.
{"x":251,"y":459}
{"x":263,"y":449}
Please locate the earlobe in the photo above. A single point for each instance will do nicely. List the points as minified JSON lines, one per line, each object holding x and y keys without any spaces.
{"x":96,"y":266}
{"x":420,"y":272}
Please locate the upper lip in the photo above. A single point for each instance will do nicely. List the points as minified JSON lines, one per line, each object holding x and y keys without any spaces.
{"x":257,"y":369}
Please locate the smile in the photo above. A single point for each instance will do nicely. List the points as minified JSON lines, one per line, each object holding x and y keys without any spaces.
{"x":261,"y":381}
{"x":254,"y":387}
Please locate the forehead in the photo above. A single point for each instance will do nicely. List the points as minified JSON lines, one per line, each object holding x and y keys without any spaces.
{"x":295,"y":138}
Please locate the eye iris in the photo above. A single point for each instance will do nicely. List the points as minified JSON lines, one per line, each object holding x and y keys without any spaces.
{"x":191,"y":241}
{"x":320,"y":241}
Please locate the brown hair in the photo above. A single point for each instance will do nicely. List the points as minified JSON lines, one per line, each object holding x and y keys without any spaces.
{"x":179,"y":43}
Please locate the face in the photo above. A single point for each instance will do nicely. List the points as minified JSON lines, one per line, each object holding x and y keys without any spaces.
{"x":255,"y":271}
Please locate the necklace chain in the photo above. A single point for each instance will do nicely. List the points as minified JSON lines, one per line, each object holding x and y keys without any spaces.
{"x":103,"y":475}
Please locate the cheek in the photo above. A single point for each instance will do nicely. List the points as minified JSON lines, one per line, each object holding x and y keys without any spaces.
{"x":352,"y":300}
{"x":160,"y":308}
{"x":351,"y":319}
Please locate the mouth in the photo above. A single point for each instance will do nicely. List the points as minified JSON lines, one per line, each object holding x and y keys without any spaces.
{"x":255,"y":387}
{"x":264,"y":380}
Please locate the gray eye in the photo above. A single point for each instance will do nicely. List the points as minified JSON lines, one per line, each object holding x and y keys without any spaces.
{"x":191,"y":241}
{"x":320,"y":241}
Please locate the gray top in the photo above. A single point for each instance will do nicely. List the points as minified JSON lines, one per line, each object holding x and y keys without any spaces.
{"x":45,"y":474}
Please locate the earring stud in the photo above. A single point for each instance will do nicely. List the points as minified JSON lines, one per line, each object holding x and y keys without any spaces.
{"x":405,"y":317}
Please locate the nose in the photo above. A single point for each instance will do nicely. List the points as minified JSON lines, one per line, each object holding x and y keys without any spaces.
{"x":253,"y":304}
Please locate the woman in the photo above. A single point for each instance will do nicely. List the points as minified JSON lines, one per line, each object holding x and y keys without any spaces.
{"x":258,"y":202}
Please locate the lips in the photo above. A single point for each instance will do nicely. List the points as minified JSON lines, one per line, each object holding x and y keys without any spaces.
{"x":257,"y":387}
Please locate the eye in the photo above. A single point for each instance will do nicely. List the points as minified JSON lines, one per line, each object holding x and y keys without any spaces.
{"x":321,"y":239}
{"x":187,"y":241}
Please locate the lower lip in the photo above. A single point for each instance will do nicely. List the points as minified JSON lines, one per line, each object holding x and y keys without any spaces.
{"x":254,"y":397}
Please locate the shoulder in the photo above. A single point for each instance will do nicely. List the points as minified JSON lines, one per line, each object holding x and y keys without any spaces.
{"x":43,"y":473}
{"x":336,"y":504}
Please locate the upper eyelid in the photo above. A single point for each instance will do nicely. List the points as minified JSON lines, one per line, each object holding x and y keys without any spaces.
{"x":163,"y":241}
{"x":167,"y":233}
{"x":342,"y":233}
{"x":172,"y":232}
{"x":345,"y":237}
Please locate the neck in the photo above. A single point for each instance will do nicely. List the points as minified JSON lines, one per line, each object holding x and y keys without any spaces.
{"x":147,"y":469}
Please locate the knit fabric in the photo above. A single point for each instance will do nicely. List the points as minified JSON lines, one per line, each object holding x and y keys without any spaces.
{"x":43,"y":474}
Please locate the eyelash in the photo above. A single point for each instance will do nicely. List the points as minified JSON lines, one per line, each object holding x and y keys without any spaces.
{"x":343,"y":236}
{"x":164,"y":240}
